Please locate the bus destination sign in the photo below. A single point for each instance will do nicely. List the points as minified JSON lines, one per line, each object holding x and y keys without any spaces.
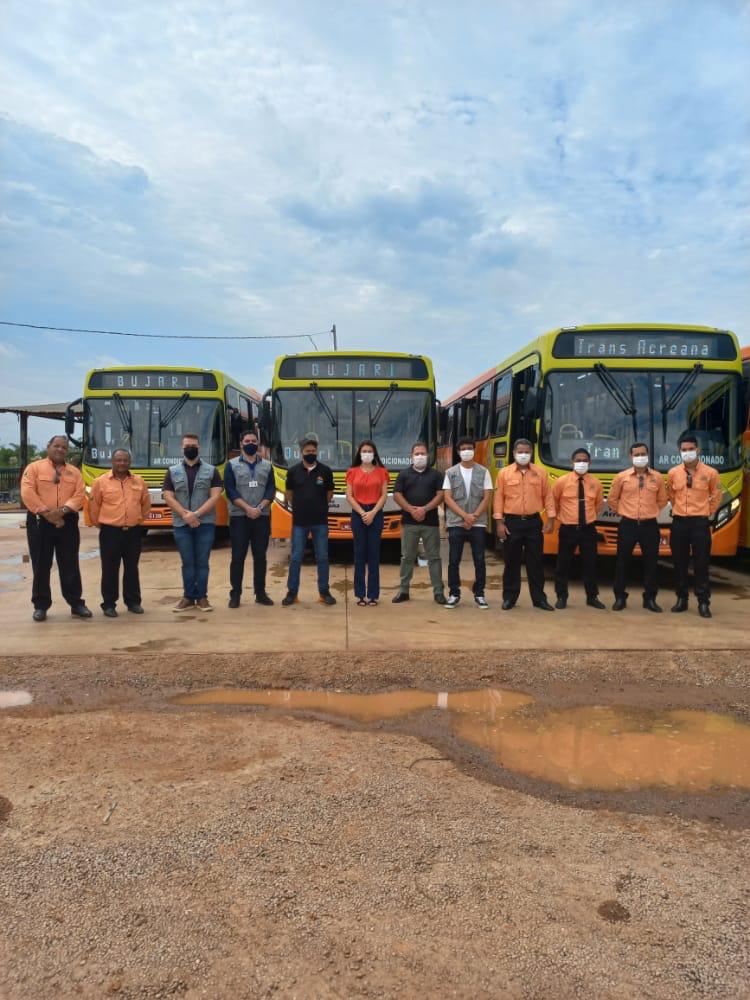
{"x":351,"y":367}
{"x":647,"y":344}
{"x":153,"y":379}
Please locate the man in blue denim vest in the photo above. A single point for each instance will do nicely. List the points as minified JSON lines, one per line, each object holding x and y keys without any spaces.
{"x":192,"y":490}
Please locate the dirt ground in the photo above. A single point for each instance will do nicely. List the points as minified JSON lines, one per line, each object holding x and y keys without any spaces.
{"x":153,"y":850}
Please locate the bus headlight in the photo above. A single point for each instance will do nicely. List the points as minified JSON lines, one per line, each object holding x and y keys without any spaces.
{"x":727,"y":512}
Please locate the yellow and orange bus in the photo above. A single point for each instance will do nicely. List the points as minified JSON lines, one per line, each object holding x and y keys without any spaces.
{"x":147,"y":410}
{"x":745,"y":511}
{"x":343,"y":398}
{"x":604,"y":387}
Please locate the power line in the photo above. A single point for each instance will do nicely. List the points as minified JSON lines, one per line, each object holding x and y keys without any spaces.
{"x":177,"y":336}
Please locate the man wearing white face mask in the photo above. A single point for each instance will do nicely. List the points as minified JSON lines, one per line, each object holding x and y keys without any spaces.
{"x":579,"y":498}
{"x":522,"y":490}
{"x":467,"y":489}
{"x":694,"y":490}
{"x":637,"y":494}
{"x":418,"y":492}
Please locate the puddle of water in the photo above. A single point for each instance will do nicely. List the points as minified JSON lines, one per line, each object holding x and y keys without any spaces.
{"x":590,"y":747}
{"x":12,"y":561}
{"x":93,"y":554}
{"x":11,"y":577}
{"x":365,"y":707}
{"x":617,"y":749}
{"x":13,"y":699}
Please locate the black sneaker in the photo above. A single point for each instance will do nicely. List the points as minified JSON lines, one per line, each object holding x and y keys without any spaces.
{"x":40,"y":615}
{"x":135,"y":609}
{"x":453,"y":601}
{"x":109,"y":612}
{"x":481,"y":603}
{"x":234,"y":602}
{"x":291,"y":598}
{"x":439,"y":599}
{"x":402,"y":596}
{"x":80,"y":611}
{"x":264,"y":599}
{"x":327,"y":598}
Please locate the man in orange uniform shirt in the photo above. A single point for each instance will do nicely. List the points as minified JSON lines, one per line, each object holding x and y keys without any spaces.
{"x":694,"y":490}
{"x":637,"y":494}
{"x":522,"y":490}
{"x":52,"y":492}
{"x":119,"y":503}
{"x":578,"y":499}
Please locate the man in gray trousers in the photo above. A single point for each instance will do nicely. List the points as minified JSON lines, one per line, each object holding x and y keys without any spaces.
{"x":419,"y":492}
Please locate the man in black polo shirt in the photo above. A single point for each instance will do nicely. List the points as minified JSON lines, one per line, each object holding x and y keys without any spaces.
{"x":309,"y":490}
{"x":419,"y":493}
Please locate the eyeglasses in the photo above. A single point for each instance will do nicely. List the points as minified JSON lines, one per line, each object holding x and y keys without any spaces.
{"x":689,"y":480}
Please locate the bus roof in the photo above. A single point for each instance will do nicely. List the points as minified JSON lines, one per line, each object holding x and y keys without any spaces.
{"x":538,"y":343}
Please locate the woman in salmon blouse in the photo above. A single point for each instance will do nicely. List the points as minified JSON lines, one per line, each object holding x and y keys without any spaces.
{"x":367,"y":492}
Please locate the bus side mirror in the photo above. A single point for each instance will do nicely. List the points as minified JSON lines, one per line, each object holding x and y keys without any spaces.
{"x":264,"y":419}
{"x":70,"y":422}
{"x":531,"y":403}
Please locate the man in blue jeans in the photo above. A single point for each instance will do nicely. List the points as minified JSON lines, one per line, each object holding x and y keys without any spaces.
{"x":309,"y":490}
{"x":191,"y":490}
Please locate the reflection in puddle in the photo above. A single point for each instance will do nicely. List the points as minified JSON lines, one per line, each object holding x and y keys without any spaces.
{"x":12,"y":561}
{"x":365,"y":707}
{"x":11,"y":577}
{"x":591,"y":747}
{"x":617,"y":749}
{"x":13,"y":699}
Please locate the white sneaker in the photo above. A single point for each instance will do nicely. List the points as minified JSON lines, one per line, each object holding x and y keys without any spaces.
{"x":481,"y":603}
{"x":452,"y":601}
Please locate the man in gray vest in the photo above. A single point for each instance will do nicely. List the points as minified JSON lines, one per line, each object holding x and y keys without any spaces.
{"x":191,"y":490}
{"x":467,"y":489}
{"x":249,"y":486}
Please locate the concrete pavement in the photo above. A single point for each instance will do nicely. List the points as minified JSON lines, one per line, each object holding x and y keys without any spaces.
{"x":308,"y":626}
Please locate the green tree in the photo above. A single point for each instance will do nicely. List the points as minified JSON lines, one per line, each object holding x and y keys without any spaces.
{"x":10,"y":454}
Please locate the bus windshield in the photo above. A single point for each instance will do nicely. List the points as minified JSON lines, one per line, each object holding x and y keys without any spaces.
{"x":393,"y":418}
{"x":151,"y":429}
{"x":606,"y":411}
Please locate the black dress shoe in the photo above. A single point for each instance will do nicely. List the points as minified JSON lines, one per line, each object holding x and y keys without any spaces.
{"x":40,"y":615}
{"x":80,"y":611}
{"x":544,"y":606}
{"x":650,"y":605}
{"x":402,"y":596}
{"x":109,"y":612}
{"x":263,"y":599}
{"x":561,"y":603}
{"x":439,"y":598}
{"x":291,"y":598}
{"x":704,"y":610}
{"x":594,"y":602}
{"x":620,"y":604}
{"x":681,"y":605}
{"x":508,"y":605}
{"x":234,"y":602}
{"x":327,"y":598}
{"x":135,"y":609}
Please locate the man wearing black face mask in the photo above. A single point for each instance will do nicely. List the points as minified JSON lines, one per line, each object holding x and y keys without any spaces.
{"x":191,"y":490}
{"x":309,"y":490}
{"x":249,"y":486}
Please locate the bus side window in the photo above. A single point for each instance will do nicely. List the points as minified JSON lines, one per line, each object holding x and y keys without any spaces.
{"x":502,"y":404}
{"x":484,"y":402}
{"x":470,"y":417}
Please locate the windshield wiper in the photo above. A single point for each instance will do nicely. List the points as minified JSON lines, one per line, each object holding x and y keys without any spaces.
{"x":613,"y":387}
{"x":667,"y":405}
{"x":323,"y":405}
{"x":386,"y":400}
{"x":174,"y":411}
{"x":124,"y":414}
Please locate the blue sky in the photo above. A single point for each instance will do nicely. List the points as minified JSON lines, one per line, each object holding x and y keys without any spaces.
{"x":433,"y":177}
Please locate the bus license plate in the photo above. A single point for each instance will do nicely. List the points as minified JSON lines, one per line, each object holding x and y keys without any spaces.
{"x":155,"y":515}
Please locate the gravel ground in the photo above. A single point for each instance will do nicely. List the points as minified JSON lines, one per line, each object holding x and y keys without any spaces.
{"x":153,"y":851}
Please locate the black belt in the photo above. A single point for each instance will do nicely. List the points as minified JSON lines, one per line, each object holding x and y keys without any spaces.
{"x":523,"y":517}
{"x":690,"y":517}
{"x":639,"y":520}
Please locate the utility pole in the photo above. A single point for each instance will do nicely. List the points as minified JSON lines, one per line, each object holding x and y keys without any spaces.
{"x":333,"y":334}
